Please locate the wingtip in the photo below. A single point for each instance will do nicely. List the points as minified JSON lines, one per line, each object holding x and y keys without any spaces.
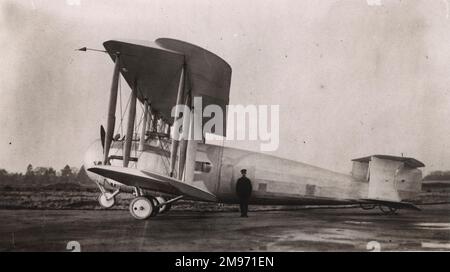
{"x":94,"y":169}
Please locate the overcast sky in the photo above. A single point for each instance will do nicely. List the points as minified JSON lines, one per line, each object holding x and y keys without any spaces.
{"x":351,"y":79}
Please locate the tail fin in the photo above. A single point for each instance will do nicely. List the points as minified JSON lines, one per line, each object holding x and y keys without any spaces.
{"x":393,"y":179}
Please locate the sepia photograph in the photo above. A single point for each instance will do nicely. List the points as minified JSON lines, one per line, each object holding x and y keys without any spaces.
{"x":225,"y":126}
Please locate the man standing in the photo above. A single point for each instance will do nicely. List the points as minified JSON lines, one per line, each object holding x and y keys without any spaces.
{"x":243,"y":191}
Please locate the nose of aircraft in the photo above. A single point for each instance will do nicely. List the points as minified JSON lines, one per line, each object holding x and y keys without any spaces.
{"x":92,"y":157}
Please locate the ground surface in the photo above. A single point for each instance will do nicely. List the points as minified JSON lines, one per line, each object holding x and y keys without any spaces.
{"x":285,"y":230}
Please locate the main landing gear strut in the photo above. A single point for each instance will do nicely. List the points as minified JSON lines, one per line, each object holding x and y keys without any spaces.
{"x":143,"y":207}
{"x":387,"y":210}
{"x":107,"y":199}
{"x":384,"y":209}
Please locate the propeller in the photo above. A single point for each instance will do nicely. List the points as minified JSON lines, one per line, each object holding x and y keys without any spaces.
{"x":102,"y":136}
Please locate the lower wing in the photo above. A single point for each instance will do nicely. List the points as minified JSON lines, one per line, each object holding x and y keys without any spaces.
{"x":153,"y":181}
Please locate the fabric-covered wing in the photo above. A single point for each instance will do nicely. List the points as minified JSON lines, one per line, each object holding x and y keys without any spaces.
{"x":152,"y":181}
{"x":154,"y":70}
{"x":209,"y":76}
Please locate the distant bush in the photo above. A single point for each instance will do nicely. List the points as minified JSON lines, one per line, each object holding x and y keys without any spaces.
{"x":8,"y":188}
{"x":64,"y":187}
{"x":38,"y":178}
{"x":438,"y":175}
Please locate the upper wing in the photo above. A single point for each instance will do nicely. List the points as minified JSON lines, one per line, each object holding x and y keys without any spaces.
{"x":155,"y":71}
{"x":154,"y":68}
{"x":152,"y":181}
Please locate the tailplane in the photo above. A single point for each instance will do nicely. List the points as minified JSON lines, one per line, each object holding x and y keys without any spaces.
{"x":391,"y":179}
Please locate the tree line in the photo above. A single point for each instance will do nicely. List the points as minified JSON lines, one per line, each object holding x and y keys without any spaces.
{"x":438,"y":175}
{"x":43,"y":175}
{"x":72,"y":174}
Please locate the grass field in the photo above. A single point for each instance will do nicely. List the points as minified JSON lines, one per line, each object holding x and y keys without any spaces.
{"x":82,"y":200}
{"x":86,"y":199}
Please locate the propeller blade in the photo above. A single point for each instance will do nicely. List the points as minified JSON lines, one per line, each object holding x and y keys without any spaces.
{"x":102,"y":136}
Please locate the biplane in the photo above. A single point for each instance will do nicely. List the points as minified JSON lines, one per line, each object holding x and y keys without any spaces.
{"x":160,"y":167}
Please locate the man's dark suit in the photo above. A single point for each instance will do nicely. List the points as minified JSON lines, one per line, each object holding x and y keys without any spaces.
{"x":243,"y":191}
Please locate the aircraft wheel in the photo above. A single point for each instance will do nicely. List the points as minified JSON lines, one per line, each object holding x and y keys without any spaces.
{"x":106,"y":200}
{"x":367,"y":206}
{"x":163,"y":208}
{"x":141,"y":208}
{"x":387,"y":209}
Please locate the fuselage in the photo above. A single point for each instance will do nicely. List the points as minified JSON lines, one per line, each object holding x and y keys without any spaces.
{"x":275,"y":180}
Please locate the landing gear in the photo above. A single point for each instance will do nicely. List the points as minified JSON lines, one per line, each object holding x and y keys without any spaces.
{"x":155,"y":205}
{"x":142,"y":208}
{"x":163,"y":208}
{"x":106,"y":200}
{"x":367,"y":206}
{"x":387,"y":210}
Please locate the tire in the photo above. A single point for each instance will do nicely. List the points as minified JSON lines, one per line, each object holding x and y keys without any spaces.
{"x":367,"y":206}
{"x":141,"y":208}
{"x":155,"y":204}
{"x":105,"y":202}
{"x":387,"y":210}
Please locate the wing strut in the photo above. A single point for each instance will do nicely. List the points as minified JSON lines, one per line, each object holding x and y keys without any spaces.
{"x":111,"y":110}
{"x":192,"y":142}
{"x":175,"y":136}
{"x":130,"y":126}
{"x":183,"y":142}
{"x":144,"y":126}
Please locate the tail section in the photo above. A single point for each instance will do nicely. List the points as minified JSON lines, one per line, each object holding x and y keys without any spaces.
{"x":392,"y":179}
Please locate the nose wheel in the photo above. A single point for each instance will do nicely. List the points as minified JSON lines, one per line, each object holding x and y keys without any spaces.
{"x":106,"y":200}
{"x":142,"y":208}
